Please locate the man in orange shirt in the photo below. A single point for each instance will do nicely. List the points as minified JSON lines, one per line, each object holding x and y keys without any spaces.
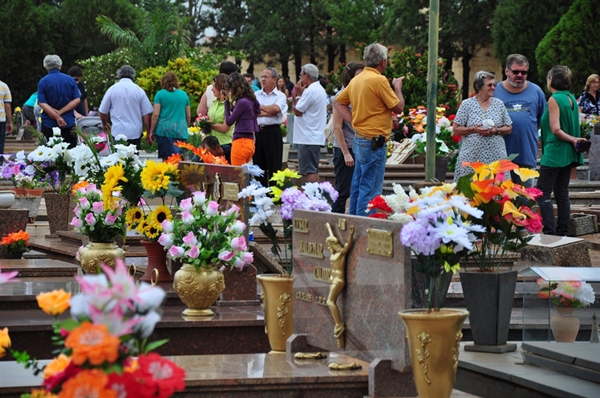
{"x":373,"y":102}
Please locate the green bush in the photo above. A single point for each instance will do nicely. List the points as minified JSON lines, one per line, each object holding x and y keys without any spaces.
{"x":99,"y":73}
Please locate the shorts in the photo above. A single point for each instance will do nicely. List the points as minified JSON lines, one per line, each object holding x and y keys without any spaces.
{"x":308,"y":158}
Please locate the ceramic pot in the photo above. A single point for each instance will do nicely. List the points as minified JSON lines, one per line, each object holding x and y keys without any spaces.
{"x":564,"y":325}
{"x":157,"y":260}
{"x":60,"y":211}
{"x":95,"y":253}
{"x":7,"y":199}
{"x":198,"y":289}
{"x":19,"y":191}
{"x":434,"y":344}
{"x":34,"y":191}
{"x":278,"y":309}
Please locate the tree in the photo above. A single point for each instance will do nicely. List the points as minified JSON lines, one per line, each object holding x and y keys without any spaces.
{"x":569,"y":43}
{"x":512,"y":36}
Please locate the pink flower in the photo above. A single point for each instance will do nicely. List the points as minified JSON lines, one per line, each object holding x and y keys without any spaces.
{"x":167,"y":226}
{"x":199,"y":197}
{"x":110,"y":219}
{"x":239,"y":263}
{"x":238,"y":227}
{"x":90,"y":219}
{"x":186,"y":205}
{"x":7,"y":276}
{"x":239,"y":244}
{"x":194,"y":252}
{"x":190,"y":239}
{"x":212,"y":209}
{"x":84,"y":203}
{"x":98,"y":207}
{"x":166,"y":239}
{"x":248,"y":257}
{"x":176,"y":251}
{"x":76,"y":222}
{"x":233,"y":210}
{"x":187,"y":217}
{"x":226,"y":256}
{"x":77,"y":210}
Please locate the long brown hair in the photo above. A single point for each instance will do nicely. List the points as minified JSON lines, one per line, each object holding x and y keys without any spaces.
{"x":238,"y":87}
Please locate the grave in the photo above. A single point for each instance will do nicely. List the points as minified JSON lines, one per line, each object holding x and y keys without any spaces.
{"x":583,"y":224}
{"x":594,"y":154}
{"x":557,"y":250}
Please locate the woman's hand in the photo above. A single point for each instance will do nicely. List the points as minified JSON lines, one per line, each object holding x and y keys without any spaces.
{"x":348,"y":159}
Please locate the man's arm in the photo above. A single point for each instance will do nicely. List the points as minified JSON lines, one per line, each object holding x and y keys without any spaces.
{"x":269,"y":110}
{"x":146,"y":120}
{"x":8,"y":110}
{"x":69,"y":107}
{"x":104,"y":119}
{"x":397,"y":83}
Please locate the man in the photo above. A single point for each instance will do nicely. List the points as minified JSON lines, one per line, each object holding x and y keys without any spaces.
{"x":5,"y":114}
{"x":373,"y":102}
{"x":525,"y":103}
{"x":58,"y":95}
{"x":128,"y":106}
{"x":250,"y":79}
{"x":310,"y":108}
{"x":208,"y":97}
{"x":269,"y":140}
{"x":81,"y":110}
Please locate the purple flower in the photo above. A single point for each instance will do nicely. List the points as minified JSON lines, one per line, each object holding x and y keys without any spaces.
{"x":194,"y":252}
{"x":292,"y":198}
{"x":330,"y":190}
{"x":84,"y":203}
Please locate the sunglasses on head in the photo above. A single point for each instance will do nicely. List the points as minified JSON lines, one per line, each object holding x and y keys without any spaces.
{"x":519,"y":72}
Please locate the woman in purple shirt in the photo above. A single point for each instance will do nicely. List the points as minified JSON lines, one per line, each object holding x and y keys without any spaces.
{"x":243,"y":114}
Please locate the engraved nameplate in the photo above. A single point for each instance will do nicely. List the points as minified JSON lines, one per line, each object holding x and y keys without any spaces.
{"x":301,"y":225}
{"x":304,"y":296}
{"x":311,"y":249}
{"x":322,"y":274}
{"x":379,"y":242}
{"x":230,"y":191}
{"x":321,"y":300}
{"x":342,"y":224}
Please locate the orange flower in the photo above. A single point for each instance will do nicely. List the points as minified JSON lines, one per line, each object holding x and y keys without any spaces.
{"x":55,"y":302}
{"x":56,"y":366}
{"x":41,"y":393}
{"x":87,"y":384}
{"x":130,"y":366}
{"x":174,"y":159}
{"x":4,"y":341}
{"x":15,"y":237}
{"x":93,"y":343}
{"x":80,"y":184}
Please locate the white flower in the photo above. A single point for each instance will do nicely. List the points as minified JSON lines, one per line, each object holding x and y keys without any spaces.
{"x":444,"y":122}
{"x":120,"y":137}
{"x":146,"y":326}
{"x":150,"y":297}
{"x":585,"y":294}
{"x":488,"y":124}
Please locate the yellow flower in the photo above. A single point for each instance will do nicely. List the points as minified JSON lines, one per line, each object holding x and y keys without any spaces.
{"x":526,"y":174}
{"x":41,"y":393}
{"x":56,"y":366}
{"x":55,"y":302}
{"x":152,"y":230}
{"x":160,"y":214}
{"x":282,"y":175}
{"x":114,"y":174}
{"x":454,"y":268}
{"x":4,"y":341}
{"x":154,"y":176}
{"x":18,"y":109}
{"x":133,"y":216}
{"x":141,"y":228}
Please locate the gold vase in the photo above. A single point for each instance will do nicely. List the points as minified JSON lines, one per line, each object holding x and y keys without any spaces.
{"x":433,"y":343}
{"x":95,"y":253}
{"x":198,"y":288}
{"x":277,"y":303}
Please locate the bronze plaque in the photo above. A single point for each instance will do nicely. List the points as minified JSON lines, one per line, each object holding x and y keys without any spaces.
{"x":230,"y":191}
{"x":379,"y":242}
{"x":311,"y":249}
{"x":301,"y":225}
{"x":322,"y":274}
{"x":304,"y":296}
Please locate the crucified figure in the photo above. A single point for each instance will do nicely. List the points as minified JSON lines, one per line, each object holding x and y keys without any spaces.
{"x":337,"y":279}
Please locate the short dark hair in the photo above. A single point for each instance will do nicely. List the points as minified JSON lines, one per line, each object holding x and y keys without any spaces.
{"x":169,"y":81}
{"x":560,"y":77}
{"x":228,"y":67}
{"x":75,"y":71}
{"x":516,"y":59}
{"x":349,"y":71}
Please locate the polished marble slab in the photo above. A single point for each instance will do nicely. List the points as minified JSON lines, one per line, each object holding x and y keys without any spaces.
{"x":40,"y":267}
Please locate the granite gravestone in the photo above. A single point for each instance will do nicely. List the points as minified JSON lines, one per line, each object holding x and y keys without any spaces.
{"x":377,"y":286}
{"x":594,"y":153}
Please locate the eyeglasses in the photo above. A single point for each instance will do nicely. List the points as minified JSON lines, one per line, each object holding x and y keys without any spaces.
{"x":519,"y":72}
{"x":491,"y":84}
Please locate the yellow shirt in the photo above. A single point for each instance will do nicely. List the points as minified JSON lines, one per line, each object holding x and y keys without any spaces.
{"x":372,"y":98}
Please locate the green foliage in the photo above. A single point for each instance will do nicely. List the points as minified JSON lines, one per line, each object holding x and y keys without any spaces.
{"x":191,"y":80}
{"x":512,"y":36}
{"x":205,"y":60}
{"x":570,"y":43}
{"x":100,"y":73}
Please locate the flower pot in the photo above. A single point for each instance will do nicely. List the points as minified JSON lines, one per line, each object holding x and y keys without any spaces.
{"x":278,"y":309}
{"x":95,"y":253}
{"x":7,"y":199}
{"x":489,"y":299}
{"x":157,"y":260}
{"x":34,"y":191}
{"x":198,"y":289}
{"x":19,"y":191}
{"x":60,"y":211}
{"x":564,"y":325}
{"x":31,"y":203}
{"x":13,"y":256}
{"x":433,"y":344}
{"x":441,"y":168}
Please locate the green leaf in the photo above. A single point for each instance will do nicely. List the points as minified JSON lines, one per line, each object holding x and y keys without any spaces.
{"x":154,"y":345}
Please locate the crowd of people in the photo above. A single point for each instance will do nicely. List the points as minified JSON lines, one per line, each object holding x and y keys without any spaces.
{"x":501,"y":119}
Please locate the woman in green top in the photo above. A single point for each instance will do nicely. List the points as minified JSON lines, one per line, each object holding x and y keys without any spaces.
{"x":216,"y":114}
{"x":171,"y":116}
{"x":560,"y":133}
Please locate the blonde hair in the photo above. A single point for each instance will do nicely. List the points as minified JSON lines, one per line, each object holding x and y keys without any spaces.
{"x":591,"y":78}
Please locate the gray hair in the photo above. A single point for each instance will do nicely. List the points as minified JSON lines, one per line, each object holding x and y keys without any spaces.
{"x":274,"y":73}
{"x":374,"y":54}
{"x":52,"y":62}
{"x":480,"y":78}
{"x":312,"y":71}
{"x":126,"y":71}
{"x":516,"y":59}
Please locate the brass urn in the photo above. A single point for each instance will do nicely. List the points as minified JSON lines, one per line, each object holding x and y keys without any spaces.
{"x":278,"y":308}
{"x":95,"y":253}
{"x":198,"y":288}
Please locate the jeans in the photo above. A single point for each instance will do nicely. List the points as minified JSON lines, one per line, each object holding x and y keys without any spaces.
{"x":166,"y":146}
{"x":367,"y":180}
{"x":2,"y":138}
{"x":555,"y":179}
{"x":343,"y":179}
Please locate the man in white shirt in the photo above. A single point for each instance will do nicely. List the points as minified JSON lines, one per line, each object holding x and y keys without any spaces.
{"x":128,"y":106}
{"x":310,"y":109}
{"x":269,"y":140}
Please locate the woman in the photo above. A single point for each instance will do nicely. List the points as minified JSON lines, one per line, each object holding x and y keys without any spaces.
{"x":216,"y":114}
{"x":560,"y":134}
{"x":281,"y":87}
{"x":589,"y":100}
{"x":244,"y":113}
{"x":171,"y":117}
{"x":481,"y":120}
{"x":343,"y":158}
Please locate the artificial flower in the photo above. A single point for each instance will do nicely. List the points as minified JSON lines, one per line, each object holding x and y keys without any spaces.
{"x":55,"y":302}
{"x":87,"y":383}
{"x":92,"y":343}
{"x":4,"y":341}
{"x":56,"y":366}
{"x":161,"y":376}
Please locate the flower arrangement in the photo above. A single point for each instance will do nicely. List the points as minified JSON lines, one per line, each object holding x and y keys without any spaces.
{"x":587,"y":123}
{"x":204,"y":123}
{"x":204,"y":236}
{"x":508,"y":218}
{"x":52,"y":163}
{"x":18,"y":173}
{"x":100,"y":218}
{"x":105,"y":350}
{"x":16,"y":243}
{"x":573,"y":294}
{"x":191,"y":151}
{"x":195,"y":136}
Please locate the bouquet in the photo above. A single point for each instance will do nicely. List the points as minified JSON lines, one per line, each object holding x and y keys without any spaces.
{"x":16,"y":243}
{"x":105,"y":350}
{"x":191,"y":152}
{"x":100,"y":218}
{"x":587,"y":123}
{"x":52,"y":163}
{"x":508,"y":218}
{"x":573,"y":294}
{"x":18,"y":173}
{"x":203,"y":236}
{"x":204,"y":123}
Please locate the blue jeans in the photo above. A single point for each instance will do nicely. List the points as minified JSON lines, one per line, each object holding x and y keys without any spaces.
{"x":555,"y":179}
{"x":343,"y":179}
{"x":367,"y":180}
{"x":2,"y":138}
{"x":166,"y":146}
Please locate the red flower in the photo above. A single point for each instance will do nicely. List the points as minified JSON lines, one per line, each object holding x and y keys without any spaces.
{"x":451,"y":117}
{"x":124,"y":385}
{"x":157,"y":375}
{"x":379,"y":203}
{"x":456,"y":138}
{"x":52,"y":382}
{"x":379,"y":215}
